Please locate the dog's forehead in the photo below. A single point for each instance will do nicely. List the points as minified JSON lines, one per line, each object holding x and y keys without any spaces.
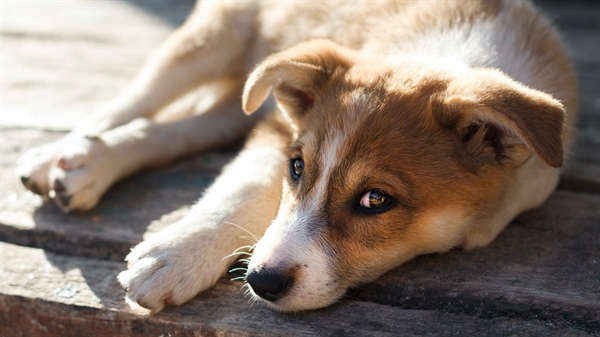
{"x":331,"y":128}
{"x":347,"y":105}
{"x":364,"y":132}
{"x":364,"y":117}
{"x":358,"y":103}
{"x":350,"y":134}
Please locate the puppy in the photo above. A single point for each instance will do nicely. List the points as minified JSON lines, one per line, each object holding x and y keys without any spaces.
{"x":396,"y":129}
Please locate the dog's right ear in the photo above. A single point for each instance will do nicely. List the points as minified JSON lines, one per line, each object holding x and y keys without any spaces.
{"x":498,"y":120}
{"x":297,"y":74}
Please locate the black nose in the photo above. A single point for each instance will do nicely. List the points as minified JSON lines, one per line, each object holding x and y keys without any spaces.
{"x":269,"y":284}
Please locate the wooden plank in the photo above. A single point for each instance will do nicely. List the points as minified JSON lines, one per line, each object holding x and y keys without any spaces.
{"x":44,"y":294}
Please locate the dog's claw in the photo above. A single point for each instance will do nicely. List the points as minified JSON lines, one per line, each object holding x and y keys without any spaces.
{"x":59,"y":186}
{"x":35,"y":189}
{"x":64,"y":200}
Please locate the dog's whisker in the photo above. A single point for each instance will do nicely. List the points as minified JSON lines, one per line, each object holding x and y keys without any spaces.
{"x":235,"y":254}
{"x":249,"y":247}
{"x":241,"y":251}
{"x":238,"y":269}
{"x":242,"y":228}
{"x":239,"y":278}
{"x":250,"y":239}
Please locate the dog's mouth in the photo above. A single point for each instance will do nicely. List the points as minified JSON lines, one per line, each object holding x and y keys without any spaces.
{"x":291,"y":273}
{"x":292,"y":290}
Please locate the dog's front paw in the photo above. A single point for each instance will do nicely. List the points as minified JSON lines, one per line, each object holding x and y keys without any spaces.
{"x":84,"y":168}
{"x":75,"y":171}
{"x":169,"y":271}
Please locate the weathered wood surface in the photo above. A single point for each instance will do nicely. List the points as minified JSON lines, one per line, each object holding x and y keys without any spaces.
{"x":47,"y":294}
{"x":540,"y":277}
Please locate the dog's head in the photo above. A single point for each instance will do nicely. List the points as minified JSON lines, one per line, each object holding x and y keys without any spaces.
{"x":390,"y":159}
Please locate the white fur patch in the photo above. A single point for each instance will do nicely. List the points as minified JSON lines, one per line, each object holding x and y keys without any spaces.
{"x":491,"y":44}
{"x":287,"y":245}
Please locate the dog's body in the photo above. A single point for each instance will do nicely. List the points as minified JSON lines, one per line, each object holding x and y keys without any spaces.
{"x":416,"y":127}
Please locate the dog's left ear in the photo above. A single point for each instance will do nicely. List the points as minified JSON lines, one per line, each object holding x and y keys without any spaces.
{"x":496,"y":119}
{"x":297,"y":74}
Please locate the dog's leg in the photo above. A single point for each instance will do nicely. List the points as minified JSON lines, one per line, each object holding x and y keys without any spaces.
{"x":88,"y":166}
{"x":186,"y":258}
{"x":208,"y":47}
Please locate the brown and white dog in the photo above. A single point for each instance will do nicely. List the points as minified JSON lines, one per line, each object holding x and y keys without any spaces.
{"x":397,"y":129}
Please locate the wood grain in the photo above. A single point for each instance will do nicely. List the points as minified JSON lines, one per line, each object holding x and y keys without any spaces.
{"x":45,"y":294}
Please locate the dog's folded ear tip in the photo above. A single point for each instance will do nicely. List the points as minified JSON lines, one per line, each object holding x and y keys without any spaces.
{"x":555,"y":160}
{"x":254,"y":94}
{"x":250,"y":105}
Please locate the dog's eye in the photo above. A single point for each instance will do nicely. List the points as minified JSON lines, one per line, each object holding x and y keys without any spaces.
{"x":296,"y":168}
{"x":375,"y":201}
